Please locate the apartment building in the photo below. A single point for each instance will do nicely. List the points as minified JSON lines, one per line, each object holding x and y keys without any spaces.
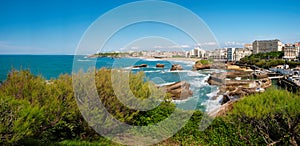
{"x":218,"y":54}
{"x":196,"y":52}
{"x":263,"y":46}
{"x":236,"y":54}
{"x":291,"y":52}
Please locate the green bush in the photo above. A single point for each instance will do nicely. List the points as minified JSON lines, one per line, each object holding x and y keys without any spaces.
{"x":53,"y":103}
{"x":274,"y":115}
{"x":222,"y":131}
{"x":19,"y":119}
{"x":203,"y":62}
{"x":35,"y":111}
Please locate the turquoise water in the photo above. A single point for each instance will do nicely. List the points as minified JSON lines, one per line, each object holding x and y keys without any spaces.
{"x":51,"y":66}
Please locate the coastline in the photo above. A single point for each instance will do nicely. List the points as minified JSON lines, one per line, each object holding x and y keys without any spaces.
{"x":180,"y":59}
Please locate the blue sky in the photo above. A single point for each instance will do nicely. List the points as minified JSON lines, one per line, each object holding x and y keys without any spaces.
{"x":56,"y":27}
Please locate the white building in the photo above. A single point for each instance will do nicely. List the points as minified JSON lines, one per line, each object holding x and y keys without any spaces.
{"x":196,"y":52}
{"x":236,"y":54}
{"x":291,"y":52}
{"x":241,"y":53}
{"x":248,"y":46}
{"x":263,"y":46}
{"x":218,"y":54}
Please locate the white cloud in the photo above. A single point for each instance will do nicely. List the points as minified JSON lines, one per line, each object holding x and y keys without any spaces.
{"x":135,"y":48}
{"x":233,"y":44}
{"x":207,"y":44}
{"x":158,"y":47}
{"x":185,"y":46}
{"x":179,"y":46}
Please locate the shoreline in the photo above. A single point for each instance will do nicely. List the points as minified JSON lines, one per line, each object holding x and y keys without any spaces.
{"x":169,"y":59}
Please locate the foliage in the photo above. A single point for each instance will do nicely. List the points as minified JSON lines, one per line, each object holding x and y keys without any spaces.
{"x":221,"y":131}
{"x":269,"y":55}
{"x":267,"y":60}
{"x":293,"y":64}
{"x":52,"y":102}
{"x":99,"y":142}
{"x":154,"y":116}
{"x":19,"y":119}
{"x":275,"y":115}
{"x":111,"y":54}
{"x":61,"y":118}
{"x":203,"y":62}
{"x":35,"y":111}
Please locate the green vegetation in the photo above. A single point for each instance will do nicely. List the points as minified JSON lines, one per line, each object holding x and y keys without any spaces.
{"x":34,"y":111}
{"x":270,"y":55}
{"x":46,"y":111}
{"x":268,"y":60}
{"x":111,"y":54}
{"x":203,"y":62}
{"x":274,"y":115}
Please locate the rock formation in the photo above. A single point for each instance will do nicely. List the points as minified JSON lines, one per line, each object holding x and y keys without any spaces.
{"x":179,"y":90}
{"x":158,"y":65}
{"x":139,"y":66}
{"x":238,"y":88}
{"x":225,"y":99}
{"x":223,"y":110}
{"x":199,"y":66}
{"x":176,"y":67}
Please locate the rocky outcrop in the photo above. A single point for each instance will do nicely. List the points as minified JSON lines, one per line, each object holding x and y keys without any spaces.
{"x":179,"y":90}
{"x":223,"y":110}
{"x":260,"y":75}
{"x":176,"y":67}
{"x":238,"y":88}
{"x":158,"y":65}
{"x":140,"y":66}
{"x":199,"y":66}
{"x":238,"y":68}
{"x":225,"y":99}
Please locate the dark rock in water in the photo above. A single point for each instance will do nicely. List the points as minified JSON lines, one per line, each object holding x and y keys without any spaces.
{"x":139,"y":66}
{"x":158,"y":65}
{"x":176,"y":67}
{"x":179,"y":90}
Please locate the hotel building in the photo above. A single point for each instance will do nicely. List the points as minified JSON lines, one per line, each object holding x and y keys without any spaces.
{"x":291,"y":52}
{"x":264,"y":46}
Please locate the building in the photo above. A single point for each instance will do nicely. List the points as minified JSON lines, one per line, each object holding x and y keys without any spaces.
{"x":236,"y":54}
{"x":241,"y":53}
{"x":263,"y":46}
{"x":196,"y":52}
{"x":248,"y":46}
{"x":231,"y":54}
{"x":291,"y":52}
{"x":218,"y":54}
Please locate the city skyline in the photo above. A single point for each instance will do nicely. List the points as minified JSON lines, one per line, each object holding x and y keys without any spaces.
{"x":56,"y":27}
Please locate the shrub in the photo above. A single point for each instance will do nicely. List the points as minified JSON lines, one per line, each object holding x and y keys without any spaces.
{"x":275,"y":115}
{"x":203,"y":62}
{"x":50,"y":108}
{"x":19,"y":119}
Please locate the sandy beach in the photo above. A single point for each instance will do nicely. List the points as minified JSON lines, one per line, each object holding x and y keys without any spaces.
{"x":181,"y":59}
{"x":171,"y":59}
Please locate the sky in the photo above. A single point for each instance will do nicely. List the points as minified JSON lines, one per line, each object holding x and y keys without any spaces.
{"x":56,"y":27}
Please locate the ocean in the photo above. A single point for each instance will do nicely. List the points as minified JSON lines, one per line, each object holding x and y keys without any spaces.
{"x":51,"y":66}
